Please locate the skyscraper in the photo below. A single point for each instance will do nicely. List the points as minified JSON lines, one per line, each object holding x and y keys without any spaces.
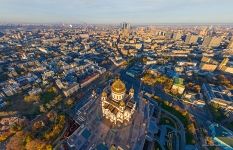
{"x":211,"y":41}
{"x":177,"y":36}
{"x":230,"y":46}
{"x":191,"y":39}
{"x":168,"y":35}
{"x":125,"y":26}
{"x":206,"y":41}
{"x":204,"y":31}
{"x":223,"y":63}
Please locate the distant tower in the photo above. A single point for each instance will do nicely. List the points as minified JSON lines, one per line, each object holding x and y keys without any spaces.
{"x":125,"y":30}
{"x":230,"y":46}
{"x":125,"y":26}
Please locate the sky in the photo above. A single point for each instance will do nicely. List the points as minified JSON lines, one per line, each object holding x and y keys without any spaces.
{"x":116,"y":11}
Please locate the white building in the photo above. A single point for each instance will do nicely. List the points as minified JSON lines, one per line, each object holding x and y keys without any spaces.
{"x":118,"y":106}
{"x":218,"y":95}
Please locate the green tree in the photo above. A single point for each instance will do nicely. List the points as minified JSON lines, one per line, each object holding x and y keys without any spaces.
{"x":31,"y":98}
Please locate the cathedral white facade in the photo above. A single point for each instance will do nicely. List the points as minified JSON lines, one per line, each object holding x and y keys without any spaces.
{"x":118,"y":106}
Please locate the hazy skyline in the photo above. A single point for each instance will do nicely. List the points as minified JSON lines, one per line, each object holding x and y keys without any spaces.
{"x":108,"y":11}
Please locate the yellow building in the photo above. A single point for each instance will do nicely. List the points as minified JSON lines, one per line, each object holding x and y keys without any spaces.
{"x":118,"y":106}
{"x":230,"y":46}
{"x":208,"y":67}
{"x":211,"y":41}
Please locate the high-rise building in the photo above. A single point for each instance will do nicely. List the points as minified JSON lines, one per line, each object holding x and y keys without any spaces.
{"x":125,"y":26}
{"x":215,"y":41}
{"x":125,"y":29}
{"x":230,"y":46}
{"x":191,"y":39}
{"x":168,"y":35}
{"x":223,"y":63}
{"x":204,"y":31}
{"x":206,"y":41}
{"x":177,"y":36}
{"x":211,"y":41}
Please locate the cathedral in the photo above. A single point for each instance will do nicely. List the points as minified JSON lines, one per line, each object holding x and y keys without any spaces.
{"x":118,"y":106}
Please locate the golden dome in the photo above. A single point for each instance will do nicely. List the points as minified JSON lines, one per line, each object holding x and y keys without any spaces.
{"x":131,"y":90}
{"x":122,"y":103}
{"x":104,"y":94}
{"x":118,"y":86}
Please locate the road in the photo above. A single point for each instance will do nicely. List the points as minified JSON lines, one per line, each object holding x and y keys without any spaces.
{"x":180,"y":128}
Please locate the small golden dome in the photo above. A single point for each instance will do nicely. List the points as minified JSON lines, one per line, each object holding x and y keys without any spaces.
{"x":131,"y":90}
{"x":104,"y":94}
{"x":122,"y":104}
{"x":118,"y":86}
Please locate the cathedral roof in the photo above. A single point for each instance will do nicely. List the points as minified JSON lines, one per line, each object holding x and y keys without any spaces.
{"x":118,"y":86}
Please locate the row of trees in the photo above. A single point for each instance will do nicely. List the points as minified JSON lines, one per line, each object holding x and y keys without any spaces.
{"x":5,"y":135}
{"x":23,"y":140}
{"x":193,"y":87}
{"x":46,"y":100}
{"x":223,"y":80}
{"x":216,"y":112}
{"x":153,"y":80}
{"x":39,"y":135}
{"x":50,"y":104}
{"x":32,"y":98}
{"x":56,"y":129}
{"x":11,"y":131}
{"x":43,"y":97}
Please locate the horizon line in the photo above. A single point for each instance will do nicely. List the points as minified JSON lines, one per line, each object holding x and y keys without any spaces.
{"x":89,"y":23}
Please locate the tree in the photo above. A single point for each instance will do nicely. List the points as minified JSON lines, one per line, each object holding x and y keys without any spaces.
{"x":38,"y":125}
{"x":197,"y":88}
{"x":177,"y":108}
{"x":42,"y":108}
{"x":37,"y":144}
{"x":52,"y":115}
{"x":52,"y":90}
{"x":28,"y":139}
{"x":57,"y":128}
{"x":191,"y":128}
{"x":69,"y":102}
{"x":224,"y":80}
{"x":32,"y":98}
{"x":166,"y":103}
{"x":193,"y":87}
{"x":16,"y":142}
{"x":15,"y":127}
{"x":5,"y":135}
{"x":184,"y":113}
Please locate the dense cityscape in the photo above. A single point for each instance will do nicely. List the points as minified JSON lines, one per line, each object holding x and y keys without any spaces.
{"x":166,"y":87}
